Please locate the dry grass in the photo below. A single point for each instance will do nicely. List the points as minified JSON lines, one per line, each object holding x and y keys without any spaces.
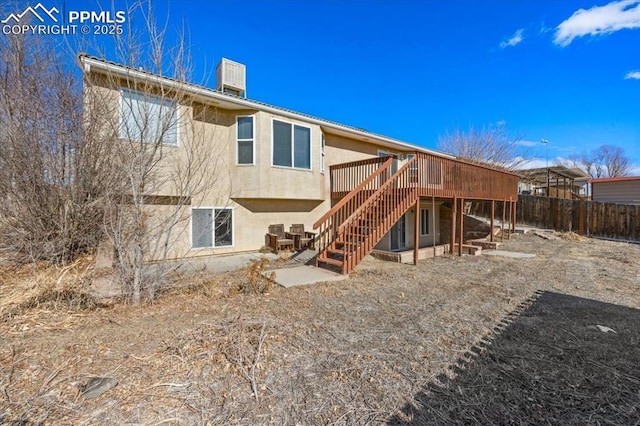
{"x":351,"y":352}
{"x":44,"y":286}
{"x":571,"y":236}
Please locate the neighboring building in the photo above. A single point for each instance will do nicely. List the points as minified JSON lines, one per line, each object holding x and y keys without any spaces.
{"x":621,"y":190}
{"x":281,"y":166}
{"x":554,"y":181}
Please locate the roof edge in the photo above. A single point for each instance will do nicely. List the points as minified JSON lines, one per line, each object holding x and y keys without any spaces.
{"x":89,"y":62}
{"x":614,"y":179}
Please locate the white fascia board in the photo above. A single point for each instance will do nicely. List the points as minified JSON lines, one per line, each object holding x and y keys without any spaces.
{"x":89,"y":62}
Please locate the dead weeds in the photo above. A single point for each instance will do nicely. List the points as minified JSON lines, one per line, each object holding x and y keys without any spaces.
{"x":350,"y":352}
{"x":571,"y":236}
{"x":45,"y":286}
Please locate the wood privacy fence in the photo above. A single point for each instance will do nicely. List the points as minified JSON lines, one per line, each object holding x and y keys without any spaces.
{"x":593,"y":218}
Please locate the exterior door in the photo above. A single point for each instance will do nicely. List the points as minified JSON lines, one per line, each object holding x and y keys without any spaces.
{"x":399,"y":234}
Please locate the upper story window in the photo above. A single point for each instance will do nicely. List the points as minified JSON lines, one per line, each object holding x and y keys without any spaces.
{"x":245,"y":140}
{"x":148,"y":118}
{"x":291,"y":145}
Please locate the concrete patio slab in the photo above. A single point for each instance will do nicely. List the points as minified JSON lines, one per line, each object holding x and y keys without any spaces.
{"x":304,"y":275}
{"x":219,"y":264}
{"x":511,"y":254}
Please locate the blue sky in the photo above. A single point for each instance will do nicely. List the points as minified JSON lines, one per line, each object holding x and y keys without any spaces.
{"x":566,"y":71}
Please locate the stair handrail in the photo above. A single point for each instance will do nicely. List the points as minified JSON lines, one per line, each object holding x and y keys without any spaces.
{"x":385,"y":166}
{"x":350,"y":261}
{"x":378,"y":191}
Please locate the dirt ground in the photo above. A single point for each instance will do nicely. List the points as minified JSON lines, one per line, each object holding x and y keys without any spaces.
{"x":376,"y":348}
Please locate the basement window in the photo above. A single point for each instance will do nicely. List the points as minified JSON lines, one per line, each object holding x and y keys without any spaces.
{"x":211,"y":227}
{"x":424,"y":221}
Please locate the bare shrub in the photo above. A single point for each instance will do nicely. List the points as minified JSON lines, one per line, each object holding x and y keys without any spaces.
{"x":243,"y":348}
{"x":53,"y":177}
{"x":256,"y":281}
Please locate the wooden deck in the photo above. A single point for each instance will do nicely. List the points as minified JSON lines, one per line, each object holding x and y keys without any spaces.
{"x":433,"y":176}
{"x":374,"y":193}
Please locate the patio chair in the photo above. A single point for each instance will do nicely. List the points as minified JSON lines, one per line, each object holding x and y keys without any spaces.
{"x":303,"y":240}
{"x":276,"y":239}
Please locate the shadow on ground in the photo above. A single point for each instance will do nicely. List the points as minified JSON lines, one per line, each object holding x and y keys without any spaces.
{"x":550,"y":363}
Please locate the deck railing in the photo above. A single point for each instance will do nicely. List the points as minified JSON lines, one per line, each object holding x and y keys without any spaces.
{"x":339,"y":213}
{"x":372,"y":199}
{"x":346,"y":176}
{"x":375,"y":217}
{"x":357,"y":223}
{"x":439,"y":177}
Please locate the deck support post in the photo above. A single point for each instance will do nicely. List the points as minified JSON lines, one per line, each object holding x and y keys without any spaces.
{"x":454,"y":216}
{"x":509,"y":219}
{"x":515,"y":206}
{"x":461,"y":217}
{"x":433,"y":224}
{"x":493,"y":215}
{"x":504,"y":211}
{"x":416,"y":233}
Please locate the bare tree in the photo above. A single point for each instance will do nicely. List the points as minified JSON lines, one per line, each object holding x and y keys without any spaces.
{"x":166,"y":161}
{"x":573,"y":161}
{"x":53,"y":179}
{"x":123,"y":156}
{"x":492,"y":145}
{"x":604,"y":161}
{"x":610,"y":161}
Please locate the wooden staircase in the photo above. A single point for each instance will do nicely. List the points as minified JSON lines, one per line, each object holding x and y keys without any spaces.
{"x":351,"y":229}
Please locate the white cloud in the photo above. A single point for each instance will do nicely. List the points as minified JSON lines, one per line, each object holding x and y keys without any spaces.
{"x":538,"y":163}
{"x":516,"y":38}
{"x":632,"y":75}
{"x":599,"y":20}
{"x":634,"y":169}
{"x":533,"y":163}
{"x":529,"y":144}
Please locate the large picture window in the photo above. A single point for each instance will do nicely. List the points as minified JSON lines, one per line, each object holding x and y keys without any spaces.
{"x":148,"y":118}
{"x":245,"y":140}
{"x":211,"y":228}
{"x":291,"y":145}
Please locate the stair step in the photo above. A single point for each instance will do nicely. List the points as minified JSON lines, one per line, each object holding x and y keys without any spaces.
{"x":356,"y":239}
{"x":348,"y":243}
{"x":330,"y":261}
{"x":337,"y":252}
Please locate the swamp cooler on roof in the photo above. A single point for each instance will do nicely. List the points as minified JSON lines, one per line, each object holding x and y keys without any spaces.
{"x":231,"y":77}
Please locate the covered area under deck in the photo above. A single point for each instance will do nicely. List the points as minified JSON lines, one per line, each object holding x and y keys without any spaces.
{"x":439,"y":226}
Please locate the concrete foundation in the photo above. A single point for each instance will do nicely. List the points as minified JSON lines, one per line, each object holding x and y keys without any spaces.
{"x":406,"y":256}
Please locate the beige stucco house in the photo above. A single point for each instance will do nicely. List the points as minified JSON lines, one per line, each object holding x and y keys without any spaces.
{"x":357,"y":189}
